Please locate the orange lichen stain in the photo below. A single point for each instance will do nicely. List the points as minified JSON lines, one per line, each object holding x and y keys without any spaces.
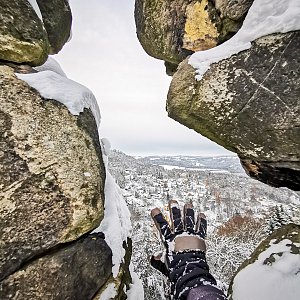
{"x":200,"y":33}
{"x":251,"y":167}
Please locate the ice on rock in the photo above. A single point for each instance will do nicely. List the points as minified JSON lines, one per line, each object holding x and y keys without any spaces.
{"x":106,"y":146}
{"x":264,"y":17}
{"x":51,"y":84}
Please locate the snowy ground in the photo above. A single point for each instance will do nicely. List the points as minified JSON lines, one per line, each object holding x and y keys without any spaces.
{"x":146,"y":185}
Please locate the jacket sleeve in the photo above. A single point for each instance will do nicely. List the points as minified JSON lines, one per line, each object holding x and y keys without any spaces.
{"x":159,"y":265}
{"x":188,"y":270}
{"x":207,"y":292}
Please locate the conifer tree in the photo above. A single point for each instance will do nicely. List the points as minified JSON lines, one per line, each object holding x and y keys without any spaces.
{"x":276,"y":219}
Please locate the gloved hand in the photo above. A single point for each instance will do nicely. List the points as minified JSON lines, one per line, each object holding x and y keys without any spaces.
{"x":184,"y":261}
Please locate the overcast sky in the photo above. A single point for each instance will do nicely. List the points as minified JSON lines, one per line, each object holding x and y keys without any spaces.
{"x":130,"y":86}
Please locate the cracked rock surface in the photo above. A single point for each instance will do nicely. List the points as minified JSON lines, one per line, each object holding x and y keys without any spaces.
{"x":51,"y":170}
{"x":248,"y":104}
{"x":75,"y":271}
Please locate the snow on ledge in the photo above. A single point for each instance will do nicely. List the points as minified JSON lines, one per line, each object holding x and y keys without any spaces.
{"x":116,"y":224}
{"x":136,"y":290}
{"x":278,"y":281}
{"x":109,"y":293}
{"x":53,"y":85}
{"x":264,"y":17}
{"x":51,"y":65}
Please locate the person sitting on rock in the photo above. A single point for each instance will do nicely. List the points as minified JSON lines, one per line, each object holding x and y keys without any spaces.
{"x":185,"y":261}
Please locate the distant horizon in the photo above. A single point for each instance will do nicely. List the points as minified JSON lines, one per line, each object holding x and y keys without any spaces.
{"x":230,"y":154}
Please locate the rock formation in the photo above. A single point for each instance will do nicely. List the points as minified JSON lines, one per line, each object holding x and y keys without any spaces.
{"x":172,"y":30}
{"x":44,"y":165}
{"x":57,"y":19}
{"x":248,"y":104}
{"x":73,"y":271}
{"x":25,"y":37}
{"x":52,"y":173}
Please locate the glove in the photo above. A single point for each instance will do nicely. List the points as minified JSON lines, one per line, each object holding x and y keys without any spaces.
{"x":184,"y":261}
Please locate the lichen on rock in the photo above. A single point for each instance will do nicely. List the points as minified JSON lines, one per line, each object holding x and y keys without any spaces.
{"x":23,"y":38}
{"x":248,"y":104}
{"x":46,"y":197}
{"x":173,"y":30}
{"x":200,"y":32}
{"x":74,"y":271}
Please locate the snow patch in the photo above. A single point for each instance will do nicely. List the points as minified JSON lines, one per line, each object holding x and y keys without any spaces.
{"x":106,"y":146}
{"x":116,"y":224}
{"x":51,"y":65}
{"x":109,"y":293}
{"x":73,"y":95}
{"x":280,"y":280}
{"x":36,"y":8}
{"x":264,"y":17}
{"x":136,"y":290}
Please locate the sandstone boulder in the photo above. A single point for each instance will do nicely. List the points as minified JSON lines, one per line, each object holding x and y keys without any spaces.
{"x":23,"y":38}
{"x":51,"y":174}
{"x":172,"y":30}
{"x":249,"y":104}
{"x":57,"y":19}
{"x":233,"y":9}
{"x":74,"y":271}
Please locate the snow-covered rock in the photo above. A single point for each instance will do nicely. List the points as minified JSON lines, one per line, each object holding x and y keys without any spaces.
{"x":171,"y":31}
{"x":52,"y":85}
{"x":273,"y":270}
{"x":46,"y":153}
{"x":264,"y":17}
{"x":248,"y":104}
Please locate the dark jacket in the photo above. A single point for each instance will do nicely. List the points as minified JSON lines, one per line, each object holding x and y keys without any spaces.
{"x":189,"y":276}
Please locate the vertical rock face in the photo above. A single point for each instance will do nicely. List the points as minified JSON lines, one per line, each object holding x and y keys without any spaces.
{"x":160,"y":28}
{"x":122,"y":281}
{"x":249,"y":104}
{"x":25,"y":38}
{"x":75,"y":271}
{"x":57,"y":19}
{"x":51,"y":174}
{"x":22,"y":34}
{"x":172,"y":30}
